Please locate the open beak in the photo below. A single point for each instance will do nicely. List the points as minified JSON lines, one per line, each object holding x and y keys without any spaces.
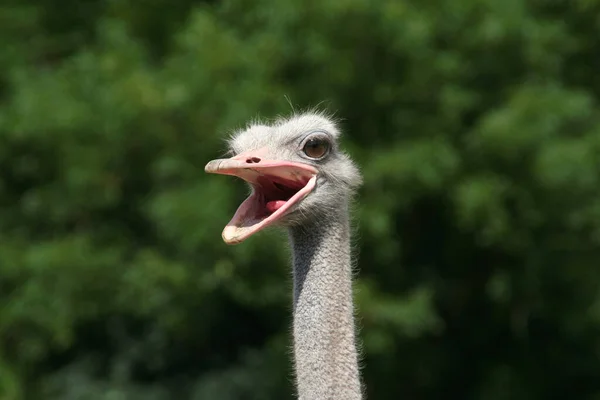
{"x":276,"y":187}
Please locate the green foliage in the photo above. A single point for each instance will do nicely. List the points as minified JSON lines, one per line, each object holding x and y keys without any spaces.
{"x":475,"y":123}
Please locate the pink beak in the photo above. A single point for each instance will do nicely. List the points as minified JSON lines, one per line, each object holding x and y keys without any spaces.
{"x":278,"y":185}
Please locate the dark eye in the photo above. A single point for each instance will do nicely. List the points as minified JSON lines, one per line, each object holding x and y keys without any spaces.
{"x":316,"y":147}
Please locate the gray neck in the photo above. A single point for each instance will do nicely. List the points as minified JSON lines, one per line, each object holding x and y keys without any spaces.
{"x":324,"y":338}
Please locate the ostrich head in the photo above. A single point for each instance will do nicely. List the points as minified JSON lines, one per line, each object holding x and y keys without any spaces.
{"x":295,"y":169}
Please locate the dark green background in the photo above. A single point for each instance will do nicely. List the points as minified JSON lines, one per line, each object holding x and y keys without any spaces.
{"x":476,"y":124}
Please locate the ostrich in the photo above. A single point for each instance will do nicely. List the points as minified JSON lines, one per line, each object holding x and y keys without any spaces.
{"x":301,"y":180}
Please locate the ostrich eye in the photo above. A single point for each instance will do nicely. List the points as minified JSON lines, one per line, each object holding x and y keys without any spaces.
{"x":316,"y":147}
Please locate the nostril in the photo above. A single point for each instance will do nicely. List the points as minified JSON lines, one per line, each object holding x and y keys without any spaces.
{"x":253,"y":160}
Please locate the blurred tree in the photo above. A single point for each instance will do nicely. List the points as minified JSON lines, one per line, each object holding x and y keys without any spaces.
{"x":476,"y":125}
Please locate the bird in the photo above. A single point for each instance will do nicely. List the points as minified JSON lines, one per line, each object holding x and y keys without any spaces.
{"x":302,"y":180}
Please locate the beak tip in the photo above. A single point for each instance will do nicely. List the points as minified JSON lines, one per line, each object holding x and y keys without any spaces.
{"x":212,"y":166}
{"x":230,"y":236}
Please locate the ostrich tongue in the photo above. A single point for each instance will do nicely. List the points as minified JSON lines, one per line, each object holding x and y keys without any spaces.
{"x":276,"y":187}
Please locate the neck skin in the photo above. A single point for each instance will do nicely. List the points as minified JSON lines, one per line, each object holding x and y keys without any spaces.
{"x":324,"y":338}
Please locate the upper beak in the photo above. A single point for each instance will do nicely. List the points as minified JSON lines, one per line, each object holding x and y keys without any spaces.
{"x":231,"y":166}
{"x":249,"y":168}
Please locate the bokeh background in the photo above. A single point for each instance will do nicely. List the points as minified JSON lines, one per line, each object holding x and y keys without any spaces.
{"x":476,"y":124}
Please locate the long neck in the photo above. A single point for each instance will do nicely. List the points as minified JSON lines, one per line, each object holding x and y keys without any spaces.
{"x":324,"y":338}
